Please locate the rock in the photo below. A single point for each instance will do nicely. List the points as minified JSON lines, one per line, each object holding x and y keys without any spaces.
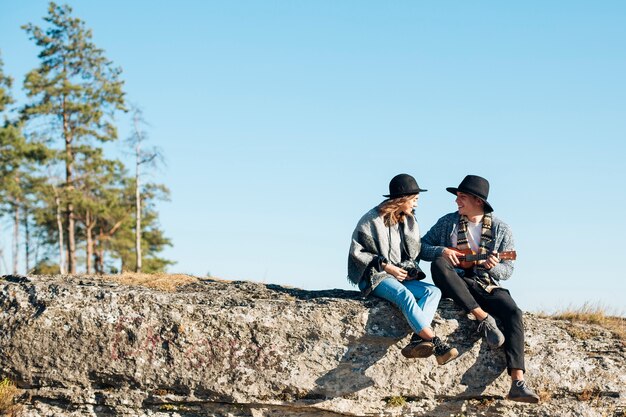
{"x":84,"y":346}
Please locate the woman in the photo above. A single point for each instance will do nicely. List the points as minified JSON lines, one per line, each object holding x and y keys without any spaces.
{"x":383,"y":261}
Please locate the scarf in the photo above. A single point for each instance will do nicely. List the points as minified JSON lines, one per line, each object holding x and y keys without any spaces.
{"x":373,"y":242}
{"x":481,"y":275}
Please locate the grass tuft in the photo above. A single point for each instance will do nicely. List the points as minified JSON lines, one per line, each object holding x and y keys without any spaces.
{"x":8,"y":392}
{"x":396,"y":401}
{"x":592,"y":314}
{"x":158,"y":281}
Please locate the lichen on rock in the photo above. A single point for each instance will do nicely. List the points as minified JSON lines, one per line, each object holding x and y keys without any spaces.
{"x":85,"y":346}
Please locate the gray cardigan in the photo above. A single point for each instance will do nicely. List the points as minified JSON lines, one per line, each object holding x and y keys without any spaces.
{"x":372,"y":241}
{"x":439,"y":237}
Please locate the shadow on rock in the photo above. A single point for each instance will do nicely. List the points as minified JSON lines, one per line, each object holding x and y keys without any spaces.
{"x":489,"y":363}
{"x":312,"y":295}
{"x":488,"y":366}
{"x":362,"y":353}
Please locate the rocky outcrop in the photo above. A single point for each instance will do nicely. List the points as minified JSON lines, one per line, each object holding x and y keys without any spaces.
{"x":83,"y":346}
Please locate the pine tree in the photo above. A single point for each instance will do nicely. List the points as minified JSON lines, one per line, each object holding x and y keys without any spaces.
{"x":99,"y":189}
{"x":16,"y":167}
{"x":17,"y":181}
{"x":143,"y":156}
{"x":75,"y":90}
{"x":5,"y":88}
{"x":5,"y":100}
{"x":48,"y":222}
{"x":122,"y":246}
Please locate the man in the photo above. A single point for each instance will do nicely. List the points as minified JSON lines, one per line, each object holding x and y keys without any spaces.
{"x":477,"y":287}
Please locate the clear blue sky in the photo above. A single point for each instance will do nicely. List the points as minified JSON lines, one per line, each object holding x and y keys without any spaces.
{"x":282,"y":122}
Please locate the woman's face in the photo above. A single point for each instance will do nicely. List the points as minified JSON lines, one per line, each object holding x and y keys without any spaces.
{"x":407,"y":207}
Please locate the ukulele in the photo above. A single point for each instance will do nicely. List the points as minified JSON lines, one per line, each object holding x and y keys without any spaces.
{"x":469,"y":258}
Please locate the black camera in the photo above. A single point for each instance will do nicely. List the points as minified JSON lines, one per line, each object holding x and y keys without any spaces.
{"x":412,"y":272}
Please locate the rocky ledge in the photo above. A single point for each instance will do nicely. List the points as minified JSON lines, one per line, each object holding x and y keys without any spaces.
{"x":84,"y":346}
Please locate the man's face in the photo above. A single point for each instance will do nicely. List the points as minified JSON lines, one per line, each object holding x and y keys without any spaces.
{"x":468,"y":204}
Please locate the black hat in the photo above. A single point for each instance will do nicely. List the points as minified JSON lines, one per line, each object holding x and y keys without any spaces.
{"x":476,"y":186}
{"x":401,"y":185}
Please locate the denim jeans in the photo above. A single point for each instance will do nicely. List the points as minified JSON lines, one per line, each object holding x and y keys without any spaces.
{"x":417,"y":300}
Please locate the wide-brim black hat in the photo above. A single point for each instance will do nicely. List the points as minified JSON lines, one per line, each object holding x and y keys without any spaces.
{"x":476,"y":186}
{"x":401,"y":185}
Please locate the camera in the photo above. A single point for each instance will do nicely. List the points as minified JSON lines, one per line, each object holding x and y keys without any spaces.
{"x":412,"y":272}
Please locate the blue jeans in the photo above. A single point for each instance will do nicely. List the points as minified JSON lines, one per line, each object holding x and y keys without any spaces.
{"x":417,"y":300}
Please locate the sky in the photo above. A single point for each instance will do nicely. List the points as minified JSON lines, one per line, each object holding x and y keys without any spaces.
{"x":282,"y":122}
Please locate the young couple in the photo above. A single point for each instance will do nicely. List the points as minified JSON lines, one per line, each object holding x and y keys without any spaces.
{"x":383,"y":261}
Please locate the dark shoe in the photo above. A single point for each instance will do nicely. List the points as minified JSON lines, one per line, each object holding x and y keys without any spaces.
{"x":520,"y":392}
{"x":418,"y":348}
{"x":443,"y":352}
{"x":488,"y":329}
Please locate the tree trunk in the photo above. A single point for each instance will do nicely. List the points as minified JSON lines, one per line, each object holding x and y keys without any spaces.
{"x":71,"y":240}
{"x":88,"y":228}
{"x":99,"y":253}
{"x":100,"y":260}
{"x":69,"y":164}
{"x":96,"y":248}
{"x":104,"y":236}
{"x":138,"y":216}
{"x":26,"y":241}
{"x":96,"y":259}
{"x":16,"y":236}
{"x":57,"y":202}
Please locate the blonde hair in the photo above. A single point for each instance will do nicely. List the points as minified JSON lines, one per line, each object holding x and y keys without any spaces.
{"x":391,"y":211}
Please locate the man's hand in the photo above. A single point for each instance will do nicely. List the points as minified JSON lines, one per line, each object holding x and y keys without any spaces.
{"x":491,"y":261}
{"x":450,"y":255}
{"x":397,"y":272}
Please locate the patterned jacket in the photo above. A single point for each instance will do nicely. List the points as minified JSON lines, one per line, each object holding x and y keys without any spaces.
{"x":373,"y":241}
{"x":439,"y":237}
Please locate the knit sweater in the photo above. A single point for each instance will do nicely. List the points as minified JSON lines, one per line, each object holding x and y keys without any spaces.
{"x":439,"y":237}
{"x":372,"y":241}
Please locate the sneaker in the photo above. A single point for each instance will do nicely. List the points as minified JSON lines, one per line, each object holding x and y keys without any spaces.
{"x":418,"y":348}
{"x":443,"y":352}
{"x":488,"y":329}
{"x":520,"y":392}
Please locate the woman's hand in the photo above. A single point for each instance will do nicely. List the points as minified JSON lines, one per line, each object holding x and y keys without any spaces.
{"x":450,"y":255}
{"x":397,"y":272}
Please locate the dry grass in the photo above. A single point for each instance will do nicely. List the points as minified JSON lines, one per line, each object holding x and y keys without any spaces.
{"x":588,"y":394}
{"x":8,"y":392}
{"x":592,"y":314}
{"x":159,"y":281}
{"x":483,"y":403}
{"x":396,"y":401}
{"x":545,"y":396}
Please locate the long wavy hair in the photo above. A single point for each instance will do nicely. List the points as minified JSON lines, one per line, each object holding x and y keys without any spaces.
{"x":391,"y":211}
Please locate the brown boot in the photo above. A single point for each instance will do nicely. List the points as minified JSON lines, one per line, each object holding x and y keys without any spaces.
{"x":443,"y":352}
{"x":418,"y":348}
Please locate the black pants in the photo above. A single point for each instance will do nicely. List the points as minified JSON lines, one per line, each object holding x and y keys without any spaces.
{"x":498,"y":303}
